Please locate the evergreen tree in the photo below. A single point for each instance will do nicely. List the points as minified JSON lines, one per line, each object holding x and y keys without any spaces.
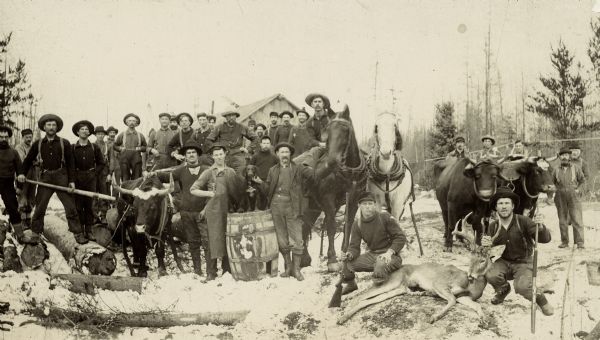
{"x":441,"y":136}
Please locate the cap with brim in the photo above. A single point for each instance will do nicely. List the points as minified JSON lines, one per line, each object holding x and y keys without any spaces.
{"x":366,"y":196}
{"x":504,"y":193}
{"x":50,"y":117}
{"x":217,"y":145}
{"x":231,"y":112}
{"x":459,"y":139}
{"x":284,"y":144}
{"x":273,"y":114}
{"x":303,"y":111}
{"x":7,"y":130}
{"x":190,"y":145}
{"x":111,"y":128}
{"x":131,"y":115}
{"x":81,"y":123}
{"x":286,"y":113}
{"x":309,"y":99}
{"x":185,"y":114}
{"x":564,"y":150}
{"x":164,"y":114}
{"x":201,"y":114}
{"x":26,"y":132}
{"x":99,"y":129}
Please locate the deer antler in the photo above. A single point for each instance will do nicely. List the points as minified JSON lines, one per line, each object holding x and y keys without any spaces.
{"x":467,"y":236}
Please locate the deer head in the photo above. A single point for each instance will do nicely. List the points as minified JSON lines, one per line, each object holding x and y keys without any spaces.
{"x":482,"y":256}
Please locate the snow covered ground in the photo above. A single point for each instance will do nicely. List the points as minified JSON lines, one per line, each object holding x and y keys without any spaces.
{"x":285,"y":308}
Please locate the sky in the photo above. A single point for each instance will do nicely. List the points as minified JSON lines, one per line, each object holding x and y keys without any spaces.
{"x":99,"y":59}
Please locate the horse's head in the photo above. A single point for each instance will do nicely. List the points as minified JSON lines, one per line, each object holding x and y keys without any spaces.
{"x":387,"y":134}
{"x":148,"y":195}
{"x":340,"y":136}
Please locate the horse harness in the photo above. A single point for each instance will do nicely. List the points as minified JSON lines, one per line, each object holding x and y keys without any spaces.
{"x":396,"y":174}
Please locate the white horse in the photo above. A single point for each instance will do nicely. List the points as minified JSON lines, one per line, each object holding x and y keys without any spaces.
{"x":390,"y":179}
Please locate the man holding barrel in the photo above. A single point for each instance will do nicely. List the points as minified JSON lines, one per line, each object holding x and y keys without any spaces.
{"x":284,"y":189}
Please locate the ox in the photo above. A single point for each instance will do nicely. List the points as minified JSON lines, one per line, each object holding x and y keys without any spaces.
{"x":464,"y":187}
{"x":527,"y":178}
{"x":145,"y":213}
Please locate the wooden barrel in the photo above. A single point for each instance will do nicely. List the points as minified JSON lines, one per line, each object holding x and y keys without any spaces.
{"x":252,"y":245}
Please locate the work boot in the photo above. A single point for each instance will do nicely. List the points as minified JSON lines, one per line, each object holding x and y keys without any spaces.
{"x":544,"y":305}
{"x":296,"y":267}
{"x":350,"y":286}
{"x":563,"y":245}
{"x":580,"y":246}
{"x":211,"y":268}
{"x":287,"y":263}
{"x":501,"y":294}
{"x":197,"y":261}
{"x":18,"y":231}
{"x":88,"y":233}
{"x":225,"y":268}
{"x":30,"y":237}
{"x":80,"y":238}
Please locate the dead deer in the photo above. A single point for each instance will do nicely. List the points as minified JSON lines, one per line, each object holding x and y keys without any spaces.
{"x":445,"y":281}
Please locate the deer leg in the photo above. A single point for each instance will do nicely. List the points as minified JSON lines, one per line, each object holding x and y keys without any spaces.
{"x":444,"y":293}
{"x":373,"y":299}
{"x":466,"y":300}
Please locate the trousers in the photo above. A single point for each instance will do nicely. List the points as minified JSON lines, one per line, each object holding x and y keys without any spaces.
{"x":288,"y":226}
{"x":85,"y":180}
{"x":569,"y":211}
{"x":503,"y":270}
{"x":9,"y":197}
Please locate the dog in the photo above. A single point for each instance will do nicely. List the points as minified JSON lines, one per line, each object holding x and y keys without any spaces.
{"x":253,"y":199}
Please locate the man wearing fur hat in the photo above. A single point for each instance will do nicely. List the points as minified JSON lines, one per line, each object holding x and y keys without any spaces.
{"x":10,"y":162}
{"x":231,"y":134}
{"x":184,"y":134}
{"x":317,"y":124}
{"x":27,"y":195}
{"x":283,"y":131}
{"x":131,"y":145}
{"x":568,"y":178}
{"x":54,"y":156}
{"x":517,"y":234}
{"x":384,"y":238}
{"x":284,"y":189}
{"x":158,"y":143}
{"x":88,"y":165}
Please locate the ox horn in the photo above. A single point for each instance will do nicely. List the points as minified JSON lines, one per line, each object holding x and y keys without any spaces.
{"x":121,"y":189}
{"x":170,"y":189}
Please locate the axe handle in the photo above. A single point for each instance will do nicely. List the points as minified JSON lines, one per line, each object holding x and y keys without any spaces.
{"x":73,"y":191}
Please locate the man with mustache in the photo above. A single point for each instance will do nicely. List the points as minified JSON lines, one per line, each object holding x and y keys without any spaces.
{"x":299,"y":135}
{"x":55,"y":158}
{"x":517,"y":233}
{"x":274,"y":120}
{"x":232,"y":134}
{"x":89,"y":164}
{"x":284,"y":188}
{"x":131,"y":144}
{"x":184,"y":134}
{"x":27,"y":195}
{"x":568,"y":178}
{"x":158,"y":143}
{"x":317,"y":124}
{"x":459,"y":148}
{"x":10,"y":162}
{"x":283,"y":131}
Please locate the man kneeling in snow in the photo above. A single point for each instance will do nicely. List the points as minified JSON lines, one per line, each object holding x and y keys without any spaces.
{"x":384,"y":239}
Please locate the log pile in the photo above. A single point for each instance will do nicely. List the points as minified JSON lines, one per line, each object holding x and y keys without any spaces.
{"x":18,"y":256}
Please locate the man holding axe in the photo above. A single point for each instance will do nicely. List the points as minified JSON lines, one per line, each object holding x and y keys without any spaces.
{"x":55,"y":159}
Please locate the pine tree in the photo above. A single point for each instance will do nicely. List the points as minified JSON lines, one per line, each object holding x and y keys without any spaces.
{"x":442,"y":134}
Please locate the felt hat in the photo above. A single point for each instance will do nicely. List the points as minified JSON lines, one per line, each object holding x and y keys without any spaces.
{"x":50,"y":117}
{"x":26,"y":132}
{"x":284,"y":144}
{"x":261,"y":125}
{"x":366,"y":196}
{"x":7,"y":130}
{"x":190,"y":144}
{"x":503,"y":192}
{"x":490,"y":138}
{"x":230,"y":112}
{"x":80,"y":123}
{"x":302,"y":110}
{"x":217,"y":145}
{"x":132,"y":115}
{"x":459,"y":139}
{"x":273,"y":114}
{"x":286,"y":113}
{"x":201,"y":114}
{"x":564,"y":150}
{"x":111,"y":128}
{"x":185,"y":114}
{"x":164,"y":114}
{"x":312,"y":96}
{"x":99,"y":129}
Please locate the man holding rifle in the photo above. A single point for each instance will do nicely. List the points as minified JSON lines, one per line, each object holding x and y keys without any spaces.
{"x":517,"y":232}
{"x":55,"y":158}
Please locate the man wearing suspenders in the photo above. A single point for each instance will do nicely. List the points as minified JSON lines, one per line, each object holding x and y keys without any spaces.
{"x":55,"y":158}
{"x":131,"y":144}
{"x":158,"y":143}
{"x":89,"y":162}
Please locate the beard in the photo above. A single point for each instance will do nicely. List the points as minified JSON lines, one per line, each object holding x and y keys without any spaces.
{"x":4,"y":144}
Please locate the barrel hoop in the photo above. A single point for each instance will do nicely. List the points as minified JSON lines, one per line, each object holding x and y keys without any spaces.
{"x":254,"y":259}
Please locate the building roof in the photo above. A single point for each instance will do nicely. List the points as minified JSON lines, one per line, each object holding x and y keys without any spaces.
{"x":246,"y":110}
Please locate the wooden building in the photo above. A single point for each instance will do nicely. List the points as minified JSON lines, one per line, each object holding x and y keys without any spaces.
{"x":260,"y":110}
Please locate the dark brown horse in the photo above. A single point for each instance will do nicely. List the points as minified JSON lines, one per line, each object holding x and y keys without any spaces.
{"x":337,"y":186}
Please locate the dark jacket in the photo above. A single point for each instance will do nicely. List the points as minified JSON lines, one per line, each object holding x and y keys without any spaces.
{"x":518,"y":238}
{"x":317,"y":127}
{"x":263,"y":160}
{"x":10,"y":162}
{"x":300,"y":139}
{"x":381,"y":232}
{"x":301,"y":176}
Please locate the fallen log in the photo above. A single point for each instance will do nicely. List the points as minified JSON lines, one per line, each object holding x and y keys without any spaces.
{"x":87,"y":283}
{"x":89,"y":258}
{"x":17,"y":256}
{"x":146,"y":319}
{"x":11,"y":258}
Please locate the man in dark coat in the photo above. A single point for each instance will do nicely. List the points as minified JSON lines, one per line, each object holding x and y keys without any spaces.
{"x":158,"y":143}
{"x":131,"y":146}
{"x":232,"y":134}
{"x":517,"y":233}
{"x":27,"y":194}
{"x":212,"y":121}
{"x":459,"y":148}
{"x":274,"y":124}
{"x":384,"y":238}
{"x":202,"y":132}
{"x":102,"y":179}
{"x":10,"y":163}
{"x":317,"y":124}
{"x":283,"y":131}
{"x":55,"y":158}
{"x":299,"y":135}
{"x":184,"y":134}
{"x":88,"y":164}
{"x":284,"y":188}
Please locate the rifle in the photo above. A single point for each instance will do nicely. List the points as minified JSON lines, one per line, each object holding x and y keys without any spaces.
{"x":336,"y":299}
{"x":534,"y":279}
{"x":74,"y":191}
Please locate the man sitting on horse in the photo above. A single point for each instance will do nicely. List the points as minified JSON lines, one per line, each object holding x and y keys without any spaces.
{"x":384,"y":238}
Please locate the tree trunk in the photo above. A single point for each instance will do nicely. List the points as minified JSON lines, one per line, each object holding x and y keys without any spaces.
{"x":16,"y":255}
{"x":87,"y":283}
{"x":90,"y":258}
{"x":147,"y":319}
